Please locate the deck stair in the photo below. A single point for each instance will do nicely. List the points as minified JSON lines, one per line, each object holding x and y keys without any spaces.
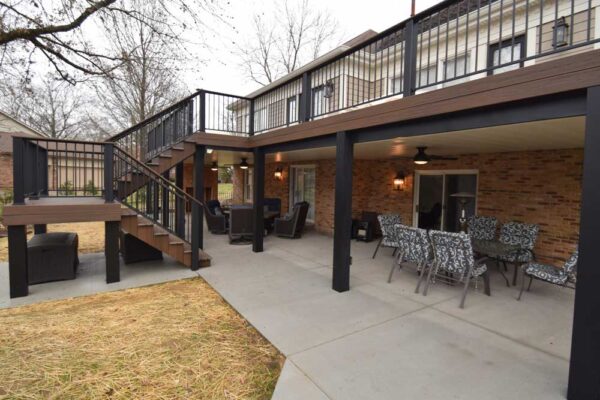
{"x":154,"y":235}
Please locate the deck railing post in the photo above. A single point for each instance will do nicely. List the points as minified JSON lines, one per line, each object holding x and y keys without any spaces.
{"x":202,"y":111}
{"x":18,"y":170}
{"x":251,"y":119}
{"x":179,"y":202}
{"x":108,"y":172}
{"x":190,"y":118}
{"x":305,"y":99}
{"x":410,"y":58}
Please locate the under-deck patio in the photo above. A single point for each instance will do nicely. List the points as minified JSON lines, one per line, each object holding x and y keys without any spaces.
{"x":381,"y":340}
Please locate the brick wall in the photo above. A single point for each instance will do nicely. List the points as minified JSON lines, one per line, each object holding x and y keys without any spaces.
{"x":542,"y":187}
{"x":210,"y":179}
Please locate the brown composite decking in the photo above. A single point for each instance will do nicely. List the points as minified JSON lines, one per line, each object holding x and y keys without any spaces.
{"x":52,"y":210}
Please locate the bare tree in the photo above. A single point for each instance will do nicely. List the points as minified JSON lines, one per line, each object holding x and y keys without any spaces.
{"x":148,"y":80}
{"x":52,"y":30}
{"x":52,"y":106}
{"x":297,"y":34}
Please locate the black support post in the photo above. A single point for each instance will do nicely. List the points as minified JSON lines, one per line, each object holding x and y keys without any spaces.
{"x":179,"y":202}
{"x":410,"y":59}
{"x":111,"y":251}
{"x":197,"y":211}
{"x":342,"y":212}
{"x":259,"y":200}
{"x":584,"y":371}
{"x":40,"y":228}
{"x":17,"y":261}
{"x":108,"y":172}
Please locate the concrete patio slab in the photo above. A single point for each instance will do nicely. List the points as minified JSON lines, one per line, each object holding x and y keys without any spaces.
{"x":382,"y":340}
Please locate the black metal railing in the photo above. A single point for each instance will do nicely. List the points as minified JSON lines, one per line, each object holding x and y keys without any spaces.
{"x":45,"y":167}
{"x":454,"y":41}
{"x":157,"y":198}
{"x":58,"y":168}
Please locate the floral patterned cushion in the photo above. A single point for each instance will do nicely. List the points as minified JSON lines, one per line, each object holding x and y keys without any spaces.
{"x":548,"y":273}
{"x":552,"y":274}
{"x":387,"y":222}
{"x":412,"y":243}
{"x":453,"y":253}
{"x":522,"y":235}
{"x":482,"y":228}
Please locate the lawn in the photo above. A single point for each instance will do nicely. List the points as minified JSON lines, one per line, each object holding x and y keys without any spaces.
{"x":178,"y":340}
{"x":91,"y":237}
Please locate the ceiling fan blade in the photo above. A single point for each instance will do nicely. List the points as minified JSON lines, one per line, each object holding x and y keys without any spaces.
{"x":434,"y":157}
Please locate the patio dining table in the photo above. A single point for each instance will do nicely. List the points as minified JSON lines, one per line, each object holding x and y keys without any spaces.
{"x":495,"y":249}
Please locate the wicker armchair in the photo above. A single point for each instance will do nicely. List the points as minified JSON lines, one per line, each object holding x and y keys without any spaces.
{"x":216,"y":220}
{"x":292,"y":224}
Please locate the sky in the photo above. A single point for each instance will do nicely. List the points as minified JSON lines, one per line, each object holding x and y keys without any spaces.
{"x":222,"y":71}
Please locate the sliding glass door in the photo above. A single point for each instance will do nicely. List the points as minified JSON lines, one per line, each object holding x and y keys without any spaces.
{"x":436,"y":205}
{"x":302,"y":188}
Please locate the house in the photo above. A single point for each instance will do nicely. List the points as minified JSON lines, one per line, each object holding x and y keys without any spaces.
{"x":10,"y":127}
{"x":498,"y":99}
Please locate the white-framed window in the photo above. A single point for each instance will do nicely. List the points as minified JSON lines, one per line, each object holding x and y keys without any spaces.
{"x":427,"y":76}
{"x":457,"y":68}
{"x":318,"y":100}
{"x":509,"y":51}
{"x":292,"y":109}
{"x":396,"y":84}
{"x":248,"y":185}
{"x":260,"y":119}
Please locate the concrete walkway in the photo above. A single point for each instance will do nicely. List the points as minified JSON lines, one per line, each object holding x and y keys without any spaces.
{"x":383,"y":341}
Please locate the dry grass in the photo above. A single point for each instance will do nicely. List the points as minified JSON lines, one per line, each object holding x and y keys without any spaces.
{"x":91,"y":237}
{"x":178,"y":340}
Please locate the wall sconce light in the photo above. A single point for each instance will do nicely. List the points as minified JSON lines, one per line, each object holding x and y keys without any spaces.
{"x":328,"y":89}
{"x":561,"y":33}
{"x":209,"y":150}
{"x":244,"y":163}
{"x":399,"y":181}
{"x":214,"y":166}
{"x":278,"y":173}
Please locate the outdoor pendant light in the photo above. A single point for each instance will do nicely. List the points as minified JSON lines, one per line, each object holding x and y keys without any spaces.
{"x":214,"y":166}
{"x":421,"y":158}
{"x":561,"y":33}
{"x":244,"y":164}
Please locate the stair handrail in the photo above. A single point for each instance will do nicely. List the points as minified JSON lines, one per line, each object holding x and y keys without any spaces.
{"x":158,"y":176}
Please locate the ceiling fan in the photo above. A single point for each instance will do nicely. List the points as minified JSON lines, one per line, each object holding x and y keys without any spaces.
{"x":422,"y":158}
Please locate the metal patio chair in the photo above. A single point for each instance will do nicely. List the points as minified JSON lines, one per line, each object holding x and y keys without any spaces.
{"x":387,"y":222}
{"x":453,"y":261}
{"x":551,"y":274}
{"x":522,"y":235}
{"x":413,"y":246}
{"x":482,"y":228}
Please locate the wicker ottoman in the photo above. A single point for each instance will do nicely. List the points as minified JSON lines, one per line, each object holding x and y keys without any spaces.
{"x":52,"y":257}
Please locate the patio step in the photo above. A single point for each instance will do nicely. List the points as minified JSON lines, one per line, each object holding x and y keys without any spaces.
{"x":159,"y":238}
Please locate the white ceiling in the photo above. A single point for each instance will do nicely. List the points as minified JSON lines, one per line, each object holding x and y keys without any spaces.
{"x":563,"y":133}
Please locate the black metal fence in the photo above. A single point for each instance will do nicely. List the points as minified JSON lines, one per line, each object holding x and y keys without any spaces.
{"x":454,"y":41}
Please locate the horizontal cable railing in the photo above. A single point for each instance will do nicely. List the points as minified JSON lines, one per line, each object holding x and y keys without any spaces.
{"x":450,"y":43}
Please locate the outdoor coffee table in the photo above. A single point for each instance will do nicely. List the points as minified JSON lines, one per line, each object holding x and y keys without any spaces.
{"x":495,"y":249}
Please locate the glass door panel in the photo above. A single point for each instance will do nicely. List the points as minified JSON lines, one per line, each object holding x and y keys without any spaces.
{"x":302,"y":187}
